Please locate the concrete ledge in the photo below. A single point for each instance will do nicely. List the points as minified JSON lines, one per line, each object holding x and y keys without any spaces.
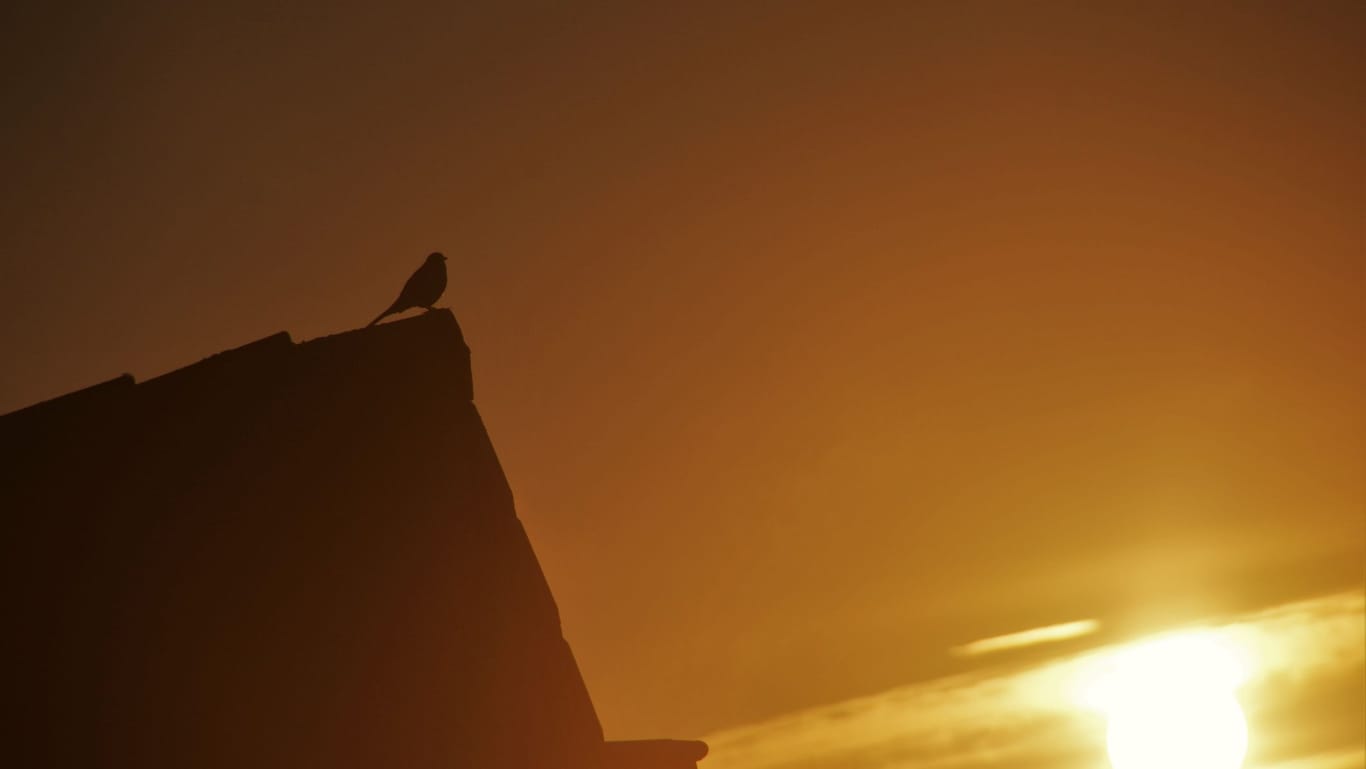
{"x":654,"y":754}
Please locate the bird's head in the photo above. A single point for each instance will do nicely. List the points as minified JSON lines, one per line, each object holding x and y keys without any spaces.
{"x":436,"y":256}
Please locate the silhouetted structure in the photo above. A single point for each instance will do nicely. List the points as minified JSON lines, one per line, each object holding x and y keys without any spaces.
{"x":286,"y":555}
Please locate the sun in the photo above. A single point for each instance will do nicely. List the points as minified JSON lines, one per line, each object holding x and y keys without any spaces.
{"x":1171,"y":704}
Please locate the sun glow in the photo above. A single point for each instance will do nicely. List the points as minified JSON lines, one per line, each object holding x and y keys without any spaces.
{"x":1171,"y":704}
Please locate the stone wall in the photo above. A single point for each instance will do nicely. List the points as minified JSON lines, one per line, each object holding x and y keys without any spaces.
{"x":286,"y":555}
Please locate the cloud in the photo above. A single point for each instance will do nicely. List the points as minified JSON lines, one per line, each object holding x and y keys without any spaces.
{"x":1308,"y":657}
{"x":1033,"y":637}
{"x":1351,"y":758}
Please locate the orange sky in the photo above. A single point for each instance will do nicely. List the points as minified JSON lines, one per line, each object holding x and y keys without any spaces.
{"x":815,"y":339}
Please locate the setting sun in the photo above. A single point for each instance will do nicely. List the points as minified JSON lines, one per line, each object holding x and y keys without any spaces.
{"x":1171,"y":705}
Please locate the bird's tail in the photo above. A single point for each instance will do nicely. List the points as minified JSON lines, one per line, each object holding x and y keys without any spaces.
{"x":379,"y":318}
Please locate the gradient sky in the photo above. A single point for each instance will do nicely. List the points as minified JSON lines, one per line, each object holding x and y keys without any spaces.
{"x":815,"y":339}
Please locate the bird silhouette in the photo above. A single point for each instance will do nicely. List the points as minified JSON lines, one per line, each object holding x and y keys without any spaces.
{"x":422,"y":289}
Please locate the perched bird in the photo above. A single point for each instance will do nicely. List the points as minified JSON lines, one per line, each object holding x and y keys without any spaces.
{"x":422,"y":289}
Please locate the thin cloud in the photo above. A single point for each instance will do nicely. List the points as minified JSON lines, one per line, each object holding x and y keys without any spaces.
{"x":1033,"y":637}
{"x":1351,"y":758}
{"x":1029,"y":717}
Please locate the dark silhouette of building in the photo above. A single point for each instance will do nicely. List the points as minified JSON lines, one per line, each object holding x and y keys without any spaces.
{"x":285,"y":555}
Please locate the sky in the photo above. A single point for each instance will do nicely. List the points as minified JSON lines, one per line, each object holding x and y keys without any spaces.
{"x":816,"y":339}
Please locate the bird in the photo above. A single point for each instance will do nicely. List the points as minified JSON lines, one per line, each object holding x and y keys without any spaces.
{"x":422,"y":289}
